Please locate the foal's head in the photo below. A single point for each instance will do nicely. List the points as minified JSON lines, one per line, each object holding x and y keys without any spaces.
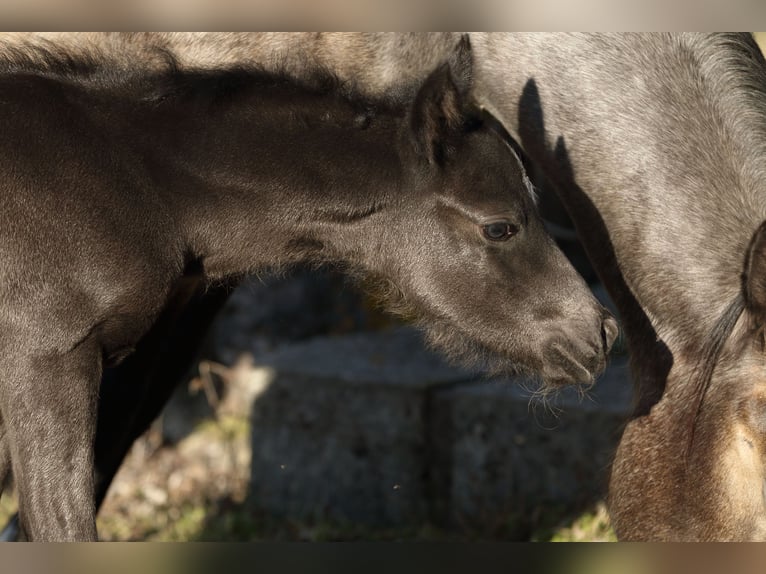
{"x":460,"y":246}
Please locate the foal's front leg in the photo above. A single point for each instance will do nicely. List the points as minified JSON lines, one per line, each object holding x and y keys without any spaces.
{"x":133,"y":394}
{"x":48,"y":405}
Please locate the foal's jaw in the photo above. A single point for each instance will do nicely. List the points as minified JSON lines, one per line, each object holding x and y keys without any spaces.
{"x":494,"y":326}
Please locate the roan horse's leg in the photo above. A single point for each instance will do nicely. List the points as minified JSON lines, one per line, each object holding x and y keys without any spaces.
{"x":49,"y":414}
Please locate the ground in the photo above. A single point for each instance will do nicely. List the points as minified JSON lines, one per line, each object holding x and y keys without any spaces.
{"x":196,"y":490}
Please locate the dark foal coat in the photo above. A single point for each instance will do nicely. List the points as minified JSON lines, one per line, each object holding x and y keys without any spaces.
{"x":656,"y":143}
{"x":126,"y":196}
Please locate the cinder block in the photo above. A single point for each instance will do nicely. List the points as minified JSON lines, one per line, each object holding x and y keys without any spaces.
{"x":341,"y":431}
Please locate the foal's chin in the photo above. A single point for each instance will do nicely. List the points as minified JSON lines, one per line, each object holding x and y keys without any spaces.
{"x":553,"y":367}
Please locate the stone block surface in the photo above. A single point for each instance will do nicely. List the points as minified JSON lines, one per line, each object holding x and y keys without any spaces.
{"x":341,"y":431}
{"x":375,"y":429}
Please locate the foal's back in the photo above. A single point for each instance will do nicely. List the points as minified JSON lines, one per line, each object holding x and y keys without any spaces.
{"x":98,"y":174}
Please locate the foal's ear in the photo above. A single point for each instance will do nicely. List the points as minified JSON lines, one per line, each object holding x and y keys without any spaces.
{"x":439,"y":111}
{"x":754,"y":276}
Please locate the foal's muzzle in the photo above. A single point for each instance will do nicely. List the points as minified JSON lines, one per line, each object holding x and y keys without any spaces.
{"x":579,"y":356}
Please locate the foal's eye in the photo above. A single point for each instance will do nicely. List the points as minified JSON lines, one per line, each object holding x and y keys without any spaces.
{"x":499,"y":231}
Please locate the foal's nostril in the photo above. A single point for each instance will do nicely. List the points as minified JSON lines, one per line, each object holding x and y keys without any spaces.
{"x":609,"y":331}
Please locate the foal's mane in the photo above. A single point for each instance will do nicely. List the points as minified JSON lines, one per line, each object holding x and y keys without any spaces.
{"x":159,"y":77}
{"x":176,"y":84}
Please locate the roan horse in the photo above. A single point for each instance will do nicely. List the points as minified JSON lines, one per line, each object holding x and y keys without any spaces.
{"x":126,"y":194}
{"x":656,"y":143}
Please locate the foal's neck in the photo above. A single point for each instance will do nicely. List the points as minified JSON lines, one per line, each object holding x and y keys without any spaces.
{"x":270,"y":176}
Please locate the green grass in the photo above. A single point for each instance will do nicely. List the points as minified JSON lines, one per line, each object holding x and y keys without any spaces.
{"x":592,"y":526}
